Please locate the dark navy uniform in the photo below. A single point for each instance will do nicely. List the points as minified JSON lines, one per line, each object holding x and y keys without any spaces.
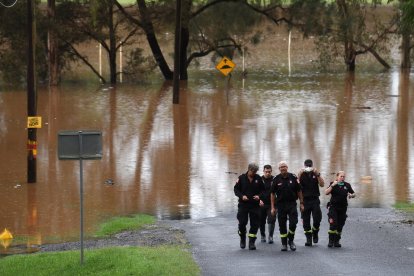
{"x":266,"y":210}
{"x":286,"y":190}
{"x":310,"y":190}
{"x":337,"y":207}
{"x":250,"y":207}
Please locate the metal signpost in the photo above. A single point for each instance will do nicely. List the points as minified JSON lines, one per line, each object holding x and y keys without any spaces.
{"x":80,"y":145}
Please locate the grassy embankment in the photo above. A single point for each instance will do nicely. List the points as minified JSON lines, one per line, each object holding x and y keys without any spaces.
{"x":404,"y":206}
{"x":162,"y":260}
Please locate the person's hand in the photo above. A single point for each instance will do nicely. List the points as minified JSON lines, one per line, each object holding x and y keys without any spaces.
{"x":334,"y":183}
{"x":315,"y":171}
{"x":256,"y":197}
{"x":302,"y":207}
{"x":351,"y":195}
{"x":245,"y":198}
{"x":273,"y":211}
{"x":261,"y":203}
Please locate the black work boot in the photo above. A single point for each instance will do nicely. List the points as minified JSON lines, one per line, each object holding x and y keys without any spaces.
{"x":336,"y":241}
{"x":315,"y":235}
{"x":252,"y":246}
{"x":242,"y":241}
{"x":271,"y":231}
{"x":308,"y":239}
{"x":284,"y":244}
{"x":291,"y":243}
{"x":331,"y":239}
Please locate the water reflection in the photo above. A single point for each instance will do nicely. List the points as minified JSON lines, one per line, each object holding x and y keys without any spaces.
{"x":181,"y":161}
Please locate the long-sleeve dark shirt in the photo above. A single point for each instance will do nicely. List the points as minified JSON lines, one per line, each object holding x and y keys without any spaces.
{"x":243,"y":187}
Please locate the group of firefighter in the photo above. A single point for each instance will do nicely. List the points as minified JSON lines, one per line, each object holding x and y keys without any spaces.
{"x":263,"y":198}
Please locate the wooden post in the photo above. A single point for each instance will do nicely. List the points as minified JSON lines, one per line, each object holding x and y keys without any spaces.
{"x":177,"y":65}
{"x":31,"y":93}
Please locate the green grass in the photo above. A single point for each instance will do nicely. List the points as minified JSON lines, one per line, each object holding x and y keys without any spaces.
{"x":161,"y":260}
{"x":404,"y":206}
{"x":119,"y":224}
{"x":164,"y":260}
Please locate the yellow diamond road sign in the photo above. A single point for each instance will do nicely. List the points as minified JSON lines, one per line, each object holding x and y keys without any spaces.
{"x":225,"y":66}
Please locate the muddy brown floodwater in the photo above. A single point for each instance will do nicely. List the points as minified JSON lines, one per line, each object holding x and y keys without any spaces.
{"x":181,"y":161}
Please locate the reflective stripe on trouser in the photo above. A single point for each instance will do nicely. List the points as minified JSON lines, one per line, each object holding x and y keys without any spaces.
{"x":287,"y":211}
{"x":252,"y":235}
{"x":337,"y":218}
{"x":312,"y":210}
{"x":246,"y":214}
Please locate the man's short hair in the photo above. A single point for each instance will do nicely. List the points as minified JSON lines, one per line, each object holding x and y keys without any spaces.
{"x":308,"y":163}
{"x":267,"y":167}
{"x":282,"y":163}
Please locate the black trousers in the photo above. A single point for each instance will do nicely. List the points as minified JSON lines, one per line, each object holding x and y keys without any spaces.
{"x":312,"y":209}
{"x":287,"y":211}
{"x":266,"y":215}
{"x":243,"y":215}
{"x":337,"y":217}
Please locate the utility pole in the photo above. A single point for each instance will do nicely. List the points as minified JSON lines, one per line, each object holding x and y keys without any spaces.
{"x":31,"y":93}
{"x":177,"y":44}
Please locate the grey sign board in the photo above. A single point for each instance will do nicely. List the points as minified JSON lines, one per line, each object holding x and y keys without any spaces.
{"x":85,"y":144}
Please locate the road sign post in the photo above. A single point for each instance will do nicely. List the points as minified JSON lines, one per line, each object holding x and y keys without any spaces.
{"x":80,"y":145}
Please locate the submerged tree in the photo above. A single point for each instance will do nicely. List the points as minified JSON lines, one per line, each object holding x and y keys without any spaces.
{"x":406,"y":28}
{"x":211,"y":26}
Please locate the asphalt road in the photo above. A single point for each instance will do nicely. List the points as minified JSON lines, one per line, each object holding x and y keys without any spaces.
{"x":374,"y":242}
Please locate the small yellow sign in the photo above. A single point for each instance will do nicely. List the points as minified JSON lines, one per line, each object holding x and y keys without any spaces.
{"x":34,"y":122}
{"x":225,"y":66}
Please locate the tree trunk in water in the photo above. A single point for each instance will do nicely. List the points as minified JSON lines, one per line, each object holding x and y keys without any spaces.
{"x":153,"y":42}
{"x":52,"y":46}
{"x":350,"y":56}
{"x":112,"y":46}
{"x":405,"y":49}
{"x":185,"y":36}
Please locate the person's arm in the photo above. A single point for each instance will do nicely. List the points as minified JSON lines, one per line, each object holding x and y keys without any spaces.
{"x":273,"y":203}
{"x":351,"y":193}
{"x":329,"y":189}
{"x":321,"y":181}
{"x":300,"y":196}
{"x":300,"y":173}
{"x":273,"y":199}
{"x":237,"y":190}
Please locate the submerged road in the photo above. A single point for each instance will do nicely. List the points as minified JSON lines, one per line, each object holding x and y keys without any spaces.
{"x":375,"y":241}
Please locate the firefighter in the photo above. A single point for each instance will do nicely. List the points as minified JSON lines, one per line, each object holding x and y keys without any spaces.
{"x":249,"y":189}
{"x":284,"y":194}
{"x":310,"y":179}
{"x":337,"y":206}
{"x":266,"y":213}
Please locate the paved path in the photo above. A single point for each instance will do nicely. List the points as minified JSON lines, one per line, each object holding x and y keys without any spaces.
{"x":374,"y":242}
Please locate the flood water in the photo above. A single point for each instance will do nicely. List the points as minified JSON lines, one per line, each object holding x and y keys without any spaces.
{"x":181,"y":161}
